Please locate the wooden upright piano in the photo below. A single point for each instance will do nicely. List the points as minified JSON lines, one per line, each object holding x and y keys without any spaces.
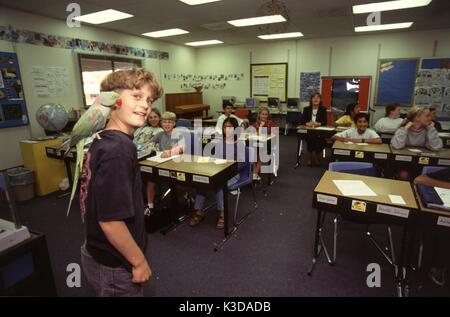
{"x":187,"y":105}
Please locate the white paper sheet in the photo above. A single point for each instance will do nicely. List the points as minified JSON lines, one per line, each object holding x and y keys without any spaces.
{"x":396,"y":199}
{"x":415,"y":150}
{"x":354,"y":188}
{"x":444,"y":194}
{"x":159,"y":159}
{"x":204,"y":159}
{"x":220,"y":161}
{"x":325,"y":128}
{"x":362,"y":143}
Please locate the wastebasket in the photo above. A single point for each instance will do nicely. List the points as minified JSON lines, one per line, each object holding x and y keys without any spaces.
{"x":22,"y":183}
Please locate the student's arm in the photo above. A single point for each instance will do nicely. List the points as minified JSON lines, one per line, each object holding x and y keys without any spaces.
{"x":398,"y":141}
{"x":379,"y":125}
{"x":374,"y":138}
{"x":120,"y":237}
{"x":434,"y":142}
{"x":427,"y":180}
{"x":341,"y":136}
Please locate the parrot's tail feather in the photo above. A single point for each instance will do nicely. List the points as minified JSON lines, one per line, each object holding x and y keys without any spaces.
{"x":78,"y":168}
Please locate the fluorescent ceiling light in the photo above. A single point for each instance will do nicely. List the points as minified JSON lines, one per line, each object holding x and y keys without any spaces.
{"x":196,"y":2}
{"x":280,"y":36}
{"x":164,"y":33}
{"x":103,"y":16}
{"x":258,"y":20}
{"x":202,"y":43}
{"x":381,"y":27}
{"x":389,"y":5}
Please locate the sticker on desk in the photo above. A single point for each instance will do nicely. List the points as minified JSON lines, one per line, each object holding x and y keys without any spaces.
{"x":302,"y":131}
{"x":147,"y":169}
{"x":444,"y":162}
{"x":50,"y":151}
{"x":200,"y":179}
{"x":331,"y":200}
{"x":164,"y":173}
{"x":393,"y":211}
{"x":359,"y":154}
{"x":381,"y":156}
{"x":403,"y":158}
{"x":443,"y":221}
{"x":181,"y":177}
{"x":342,"y":152}
{"x":423,"y":160}
{"x":358,"y":205}
{"x":173,"y":175}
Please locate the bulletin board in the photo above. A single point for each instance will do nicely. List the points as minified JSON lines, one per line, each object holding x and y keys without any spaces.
{"x":269,"y":80}
{"x":13,"y":110}
{"x":396,"y":80}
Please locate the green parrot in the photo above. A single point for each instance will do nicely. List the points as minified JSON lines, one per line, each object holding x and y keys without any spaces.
{"x":92,"y":121}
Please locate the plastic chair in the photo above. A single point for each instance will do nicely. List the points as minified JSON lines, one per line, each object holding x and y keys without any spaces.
{"x":365,"y":169}
{"x":242,"y":113}
{"x":184,"y":123}
{"x":294,"y":117}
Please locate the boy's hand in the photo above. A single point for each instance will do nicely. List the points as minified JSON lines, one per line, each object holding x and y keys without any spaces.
{"x":141,"y":272}
{"x":408,"y":125}
{"x":165,"y":154}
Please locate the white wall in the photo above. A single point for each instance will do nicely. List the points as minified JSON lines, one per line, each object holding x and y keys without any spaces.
{"x":354,"y":56}
{"x":181,"y":59}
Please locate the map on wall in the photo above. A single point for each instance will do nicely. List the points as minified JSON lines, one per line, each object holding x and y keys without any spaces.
{"x":269,"y":80}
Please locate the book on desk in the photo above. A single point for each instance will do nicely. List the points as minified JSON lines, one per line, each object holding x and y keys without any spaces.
{"x":434,"y":197}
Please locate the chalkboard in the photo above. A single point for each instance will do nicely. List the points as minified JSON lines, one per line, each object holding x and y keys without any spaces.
{"x":396,"y":80}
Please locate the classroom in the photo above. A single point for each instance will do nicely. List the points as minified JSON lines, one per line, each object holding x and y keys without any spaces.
{"x":225,"y":148}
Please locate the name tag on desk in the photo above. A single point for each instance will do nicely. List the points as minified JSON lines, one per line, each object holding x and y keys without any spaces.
{"x":403,"y":158}
{"x":444,"y":162}
{"x":331,"y":200}
{"x":164,"y":173}
{"x":200,"y":179}
{"x":147,"y":169}
{"x":341,"y":152}
{"x":393,"y":211}
{"x":381,"y":156}
{"x":443,"y":221}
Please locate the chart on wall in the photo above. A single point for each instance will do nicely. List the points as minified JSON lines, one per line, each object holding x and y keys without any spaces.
{"x":269,"y":80}
{"x":13,"y":110}
{"x":396,"y":79}
{"x":433,"y":84}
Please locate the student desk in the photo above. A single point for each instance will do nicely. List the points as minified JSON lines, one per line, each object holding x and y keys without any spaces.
{"x":304,"y":131}
{"x":378,"y":154}
{"x":386,"y":137}
{"x":186,"y":170}
{"x":445,"y":136}
{"x":414,"y":161}
{"x":367,"y":210}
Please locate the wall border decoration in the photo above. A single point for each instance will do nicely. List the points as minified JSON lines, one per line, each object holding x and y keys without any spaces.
{"x":11,"y":34}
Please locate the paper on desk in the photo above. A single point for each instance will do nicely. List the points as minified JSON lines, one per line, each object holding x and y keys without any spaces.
{"x":396,"y":199}
{"x":349,"y":142}
{"x":159,"y":159}
{"x":204,"y":159}
{"x":354,"y":188}
{"x":325,"y":128}
{"x":220,"y":161}
{"x":444,"y":194}
{"x":415,"y":150}
{"x":362,"y":143}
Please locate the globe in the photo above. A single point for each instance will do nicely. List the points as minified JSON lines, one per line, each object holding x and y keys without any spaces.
{"x":52,"y":117}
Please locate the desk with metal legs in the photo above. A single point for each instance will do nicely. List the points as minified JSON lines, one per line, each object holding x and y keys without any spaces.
{"x":304,"y":132}
{"x":415,"y":158}
{"x":379,"y":209}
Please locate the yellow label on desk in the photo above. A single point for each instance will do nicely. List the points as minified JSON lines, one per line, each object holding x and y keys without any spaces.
{"x":358,"y":205}
{"x":424,"y":160}
{"x":359,"y":154}
{"x":181,"y":177}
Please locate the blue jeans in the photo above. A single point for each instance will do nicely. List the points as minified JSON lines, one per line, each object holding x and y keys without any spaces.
{"x":201,"y":197}
{"x":109,"y":281}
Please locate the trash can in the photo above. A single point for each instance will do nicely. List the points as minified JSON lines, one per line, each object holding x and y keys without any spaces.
{"x":22,"y":183}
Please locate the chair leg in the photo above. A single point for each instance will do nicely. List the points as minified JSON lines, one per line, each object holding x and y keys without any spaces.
{"x":286,"y":128}
{"x":236,"y":205}
{"x":391,"y":243}
{"x":335,"y":239}
{"x":255,"y":204}
{"x":419,"y":258}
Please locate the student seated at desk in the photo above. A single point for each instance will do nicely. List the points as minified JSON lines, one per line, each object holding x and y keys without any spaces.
{"x":360,"y":134}
{"x":227,"y":113}
{"x":347,"y":119}
{"x":391,"y":122}
{"x":264,"y":126}
{"x":170,"y":144}
{"x":417,"y":130}
{"x":315,"y":115}
{"x":225,"y":147}
{"x":440,"y":254}
{"x":143,"y":135}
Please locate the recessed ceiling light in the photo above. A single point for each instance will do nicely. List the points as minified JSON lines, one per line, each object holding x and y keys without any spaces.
{"x":381,"y":27}
{"x":389,"y":5}
{"x":103,"y":16}
{"x":164,"y":33}
{"x":280,"y":36}
{"x":258,"y":20}
{"x":202,"y":43}
{"x":196,"y":2}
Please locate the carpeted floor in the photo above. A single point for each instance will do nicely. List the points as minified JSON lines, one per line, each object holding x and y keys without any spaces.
{"x":268,"y":256}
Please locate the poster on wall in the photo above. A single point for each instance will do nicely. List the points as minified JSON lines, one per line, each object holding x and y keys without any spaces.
{"x":433,"y":85}
{"x":13,"y":110}
{"x":309,"y":84}
{"x":50,"y":81}
{"x":269,"y":80}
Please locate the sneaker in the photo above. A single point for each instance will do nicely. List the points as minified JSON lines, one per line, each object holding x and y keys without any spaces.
{"x":437,"y":275}
{"x":220,"y":220}
{"x":196,"y":218}
{"x":148,"y":211}
{"x":255,"y":177}
{"x":234,"y":192}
